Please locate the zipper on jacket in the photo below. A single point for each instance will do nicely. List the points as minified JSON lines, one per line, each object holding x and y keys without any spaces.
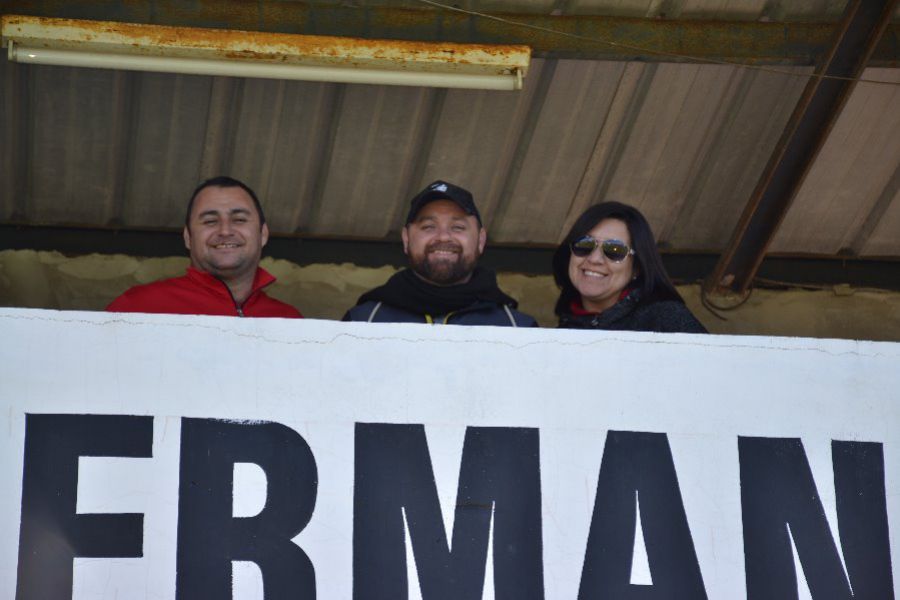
{"x":238,"y":308}
{"x":430,"y":320}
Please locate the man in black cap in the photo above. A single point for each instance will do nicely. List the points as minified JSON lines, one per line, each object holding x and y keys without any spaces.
{"x":443,"y":239}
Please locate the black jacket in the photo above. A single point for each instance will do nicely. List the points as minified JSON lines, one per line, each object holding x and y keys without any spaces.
{"x":631,"y":314}
{"x":405,"y":298}
{"x":480,"y":313}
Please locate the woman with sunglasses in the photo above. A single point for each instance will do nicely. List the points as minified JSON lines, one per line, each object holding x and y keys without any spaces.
{"x":611,"y":276}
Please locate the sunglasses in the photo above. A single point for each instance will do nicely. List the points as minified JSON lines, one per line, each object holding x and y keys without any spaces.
{"x":614,"y":250}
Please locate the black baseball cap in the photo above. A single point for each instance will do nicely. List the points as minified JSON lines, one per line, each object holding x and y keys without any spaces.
{"x":441,"y":190}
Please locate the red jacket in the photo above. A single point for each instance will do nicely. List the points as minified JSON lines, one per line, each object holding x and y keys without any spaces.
{"x":199,"y":293}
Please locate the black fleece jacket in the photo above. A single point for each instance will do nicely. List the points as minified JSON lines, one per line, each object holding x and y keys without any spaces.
{"x":632,"y":314}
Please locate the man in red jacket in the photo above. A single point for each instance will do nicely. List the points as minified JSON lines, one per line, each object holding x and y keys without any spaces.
{"x":225,"y":231}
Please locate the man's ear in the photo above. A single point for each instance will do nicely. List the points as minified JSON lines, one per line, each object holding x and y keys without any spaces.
{"x":404,"y":235}
{"x":264,"y":234}
{"x":187,"y":237}
{"x":482,"y":240}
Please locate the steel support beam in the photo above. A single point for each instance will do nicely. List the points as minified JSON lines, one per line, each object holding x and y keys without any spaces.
{"x":747,"y":42}
{"x":818,"y":108}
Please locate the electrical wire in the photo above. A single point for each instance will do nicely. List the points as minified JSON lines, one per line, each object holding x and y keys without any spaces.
{"x":714,"y":308}
{"x":644,"y":50}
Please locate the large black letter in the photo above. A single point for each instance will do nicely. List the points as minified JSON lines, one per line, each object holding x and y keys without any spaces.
{"x":778,"y":492}
{"x":641,"y":464}
{"x":52,"y":534}
{"x":500,"y":474}
{"x":209,"y":537}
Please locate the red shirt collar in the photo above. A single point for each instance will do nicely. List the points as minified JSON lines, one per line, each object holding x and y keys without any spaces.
{"x":577,"y":308}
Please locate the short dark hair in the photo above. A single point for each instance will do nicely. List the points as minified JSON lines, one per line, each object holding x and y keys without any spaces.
{"x":652,"y":279}
{"x":223,"y":181}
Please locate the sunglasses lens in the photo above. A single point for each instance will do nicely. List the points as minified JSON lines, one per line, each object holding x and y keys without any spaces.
{"x":615,"y":251}
{"x":583,"y":246}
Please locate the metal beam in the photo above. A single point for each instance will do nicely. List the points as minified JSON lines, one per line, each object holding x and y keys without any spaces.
{"x":790,"y":270}
{"x":748,"y":42}
{"x":806,"y":131}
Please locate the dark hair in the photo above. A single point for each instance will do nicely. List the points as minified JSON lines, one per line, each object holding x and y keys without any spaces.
{"x":652,"y":279}
{"x":224,"y":181}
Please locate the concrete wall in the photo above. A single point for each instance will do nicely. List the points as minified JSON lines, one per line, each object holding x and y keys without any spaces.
{"x":51,"y":280}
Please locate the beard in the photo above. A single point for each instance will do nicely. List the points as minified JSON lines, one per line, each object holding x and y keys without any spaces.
{"x":441,"y":271}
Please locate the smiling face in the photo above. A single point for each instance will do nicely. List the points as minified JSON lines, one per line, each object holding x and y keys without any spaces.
{"x":598,"y":279}
{"x":224,"y":234}
{"x":443,"y":243}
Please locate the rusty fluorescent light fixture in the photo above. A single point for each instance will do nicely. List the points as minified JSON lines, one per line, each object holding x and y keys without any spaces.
{"x":218,"y":52}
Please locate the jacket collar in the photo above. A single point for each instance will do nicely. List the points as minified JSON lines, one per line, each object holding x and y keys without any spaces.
{"x":261,"y":279}
{"x":408,"y":291}
{"x":577,"y":309}
{"x":629,"y":299}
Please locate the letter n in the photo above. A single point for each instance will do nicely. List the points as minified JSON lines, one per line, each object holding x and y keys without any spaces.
{"x":780,"y":503}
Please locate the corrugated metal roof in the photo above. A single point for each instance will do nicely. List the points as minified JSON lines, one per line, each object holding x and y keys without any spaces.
{"x":685,"y":143}
{"x":855,"y":167}
{"x":786,"y":10}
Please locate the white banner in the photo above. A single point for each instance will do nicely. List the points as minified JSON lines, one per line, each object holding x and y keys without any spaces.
{"x":157,"y":456}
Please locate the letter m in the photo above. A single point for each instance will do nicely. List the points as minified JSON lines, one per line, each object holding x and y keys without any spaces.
{"x":499,"y":488}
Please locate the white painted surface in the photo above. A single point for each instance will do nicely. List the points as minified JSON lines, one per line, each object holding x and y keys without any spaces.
{"x":320,"y":377}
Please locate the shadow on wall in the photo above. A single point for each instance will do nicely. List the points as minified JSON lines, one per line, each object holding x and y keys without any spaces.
{"x":325,"y":291}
